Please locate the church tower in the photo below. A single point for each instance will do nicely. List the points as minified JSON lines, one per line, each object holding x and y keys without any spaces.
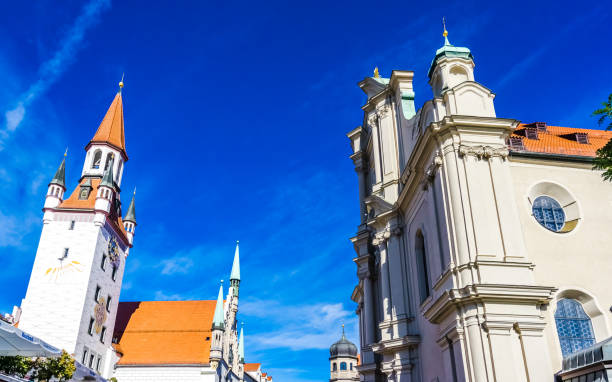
{"x":73,"y":292}
{"x":343,"y":361}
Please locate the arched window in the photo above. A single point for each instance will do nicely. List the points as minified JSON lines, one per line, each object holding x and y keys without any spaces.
{"x":423,"y":273}
{"x":109,"y":157}
{"x":574,"y":327}
{"x":334,"y":366}
{"x":119,"y":170}
{"x":97,"y":159}
{"x":342,"y":365}
{"x":351,"y":366}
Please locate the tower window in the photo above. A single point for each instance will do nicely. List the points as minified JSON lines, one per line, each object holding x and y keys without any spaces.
{"x":91,"y":360}
{"x":574,"y":327}
{"x":108,"y":303}
{"x":91,"y":327}
{"x":84,"y":194}
{"x":102,"y":334}
{"x":334,"y":366}
{"x":71,"y":227}
{"x":98,"y":362}
{"x":114,"y":275}
{"x":97,"y":295}
{"x":97,"y":159}
{"x":351,"y":366}
{"x":103,"y":263}
{"x":109,"y":157}
{"x":65,"y":254}
{"x":342,"y":365}
{"x":84,"y":359}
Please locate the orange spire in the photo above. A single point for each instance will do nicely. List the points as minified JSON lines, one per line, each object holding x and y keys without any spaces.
{"x":111,"y":129}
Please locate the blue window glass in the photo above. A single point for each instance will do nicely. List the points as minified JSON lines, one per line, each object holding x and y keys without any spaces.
{"x":548,"y":212}
{"x":573,"y":327}
{"x":342,"y":365}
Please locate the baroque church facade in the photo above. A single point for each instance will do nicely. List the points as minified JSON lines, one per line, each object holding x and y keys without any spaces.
{"x":72,"y":299}
{"x":481,"y":240}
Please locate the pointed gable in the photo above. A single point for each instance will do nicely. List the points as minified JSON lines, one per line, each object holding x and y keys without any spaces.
{"x":111,"y":129}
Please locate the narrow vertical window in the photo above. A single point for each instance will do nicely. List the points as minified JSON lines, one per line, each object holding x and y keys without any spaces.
{"x":71,"y":227}
{"x":109,"y":158}
{"x":114,"y":275}
{"x":91,"y":326}
{"x":84,"y":359}
{"x":65,"y":253}
{"x":108,"y":303}
{"x":91,"y":360}
{"x":574,"y":327}
{"x":423,"y":273}
{"x":97,"y":294}
{"x":102,"y":334}
{"x":103,"y":263}
{"x":98,"y":362}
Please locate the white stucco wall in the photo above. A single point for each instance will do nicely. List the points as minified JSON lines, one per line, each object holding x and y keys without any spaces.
{"x":577,"y":262}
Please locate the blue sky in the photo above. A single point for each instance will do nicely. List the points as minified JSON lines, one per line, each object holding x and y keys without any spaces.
{"x":236,"y":114}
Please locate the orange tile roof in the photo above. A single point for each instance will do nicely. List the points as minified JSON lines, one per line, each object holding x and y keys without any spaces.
{"x":111,"y":129}
{"x":561,"y":140}
{"x":74,"y":203}
{"x":164,"y":332}
{"x":252,"y":366}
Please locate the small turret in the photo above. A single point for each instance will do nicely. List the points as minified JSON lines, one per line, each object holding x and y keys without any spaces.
{"x":218,"y":327}
{"x":129,"y":221}
{"x":57,"y":187}
{"x":235,"y":275}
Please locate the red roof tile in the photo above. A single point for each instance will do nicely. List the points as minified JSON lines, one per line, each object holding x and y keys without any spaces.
{"x":560,"y":140}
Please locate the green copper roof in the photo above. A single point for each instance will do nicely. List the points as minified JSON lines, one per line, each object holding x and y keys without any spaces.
{"x":241,"y":346}
{"x":60,"y":175}
{"x":107,"y":179}
{"x":449,"y":50}
{"x":218,"y":319}
{"x":131,"y":212}
{"x":236,"y":266}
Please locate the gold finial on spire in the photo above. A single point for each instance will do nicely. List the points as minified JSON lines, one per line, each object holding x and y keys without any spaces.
{"x":121,"y":82}
{"x":66,"y":152}
{"x":445,"y":33}
{"x":376,"y":74}
{"x":134,"y":191}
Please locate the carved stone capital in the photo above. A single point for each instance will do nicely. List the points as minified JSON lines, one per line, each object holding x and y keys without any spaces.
{"x":483,"y":152}
{"x":382,"y":111}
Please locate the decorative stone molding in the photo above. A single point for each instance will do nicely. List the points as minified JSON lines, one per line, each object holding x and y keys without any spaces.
{"x":373,"y":120}
{"x":484,"y":152}
{"x":430,"y":172}
{"x":382,"y":111}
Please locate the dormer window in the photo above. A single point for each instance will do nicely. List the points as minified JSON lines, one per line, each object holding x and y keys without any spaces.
{"x":582,"y":138}
{"x":96,"y":160}
{"x":516,"y":144}
{"x":531,"y":133}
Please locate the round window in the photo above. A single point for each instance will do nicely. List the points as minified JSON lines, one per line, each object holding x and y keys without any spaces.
{"x":549,"y":213}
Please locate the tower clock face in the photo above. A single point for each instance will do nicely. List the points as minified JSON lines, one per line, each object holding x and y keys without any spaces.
{"x":113,"y":252}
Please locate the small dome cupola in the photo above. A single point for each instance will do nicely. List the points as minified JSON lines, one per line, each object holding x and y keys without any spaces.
{"x":343,"y":348}
{"x":451,"y":66}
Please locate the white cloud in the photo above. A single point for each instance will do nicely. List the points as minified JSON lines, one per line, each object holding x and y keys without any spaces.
{"x":298,"y":327}
{"x":162,"y":296}
{"x":51,"y":70}
{"x":176,"y":265}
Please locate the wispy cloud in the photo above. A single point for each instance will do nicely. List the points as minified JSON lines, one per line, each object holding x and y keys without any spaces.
{"x":162,"y":296}
{"x":51,"y":70}
{"x":298,"y":327}
{"x":176,"y":265}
